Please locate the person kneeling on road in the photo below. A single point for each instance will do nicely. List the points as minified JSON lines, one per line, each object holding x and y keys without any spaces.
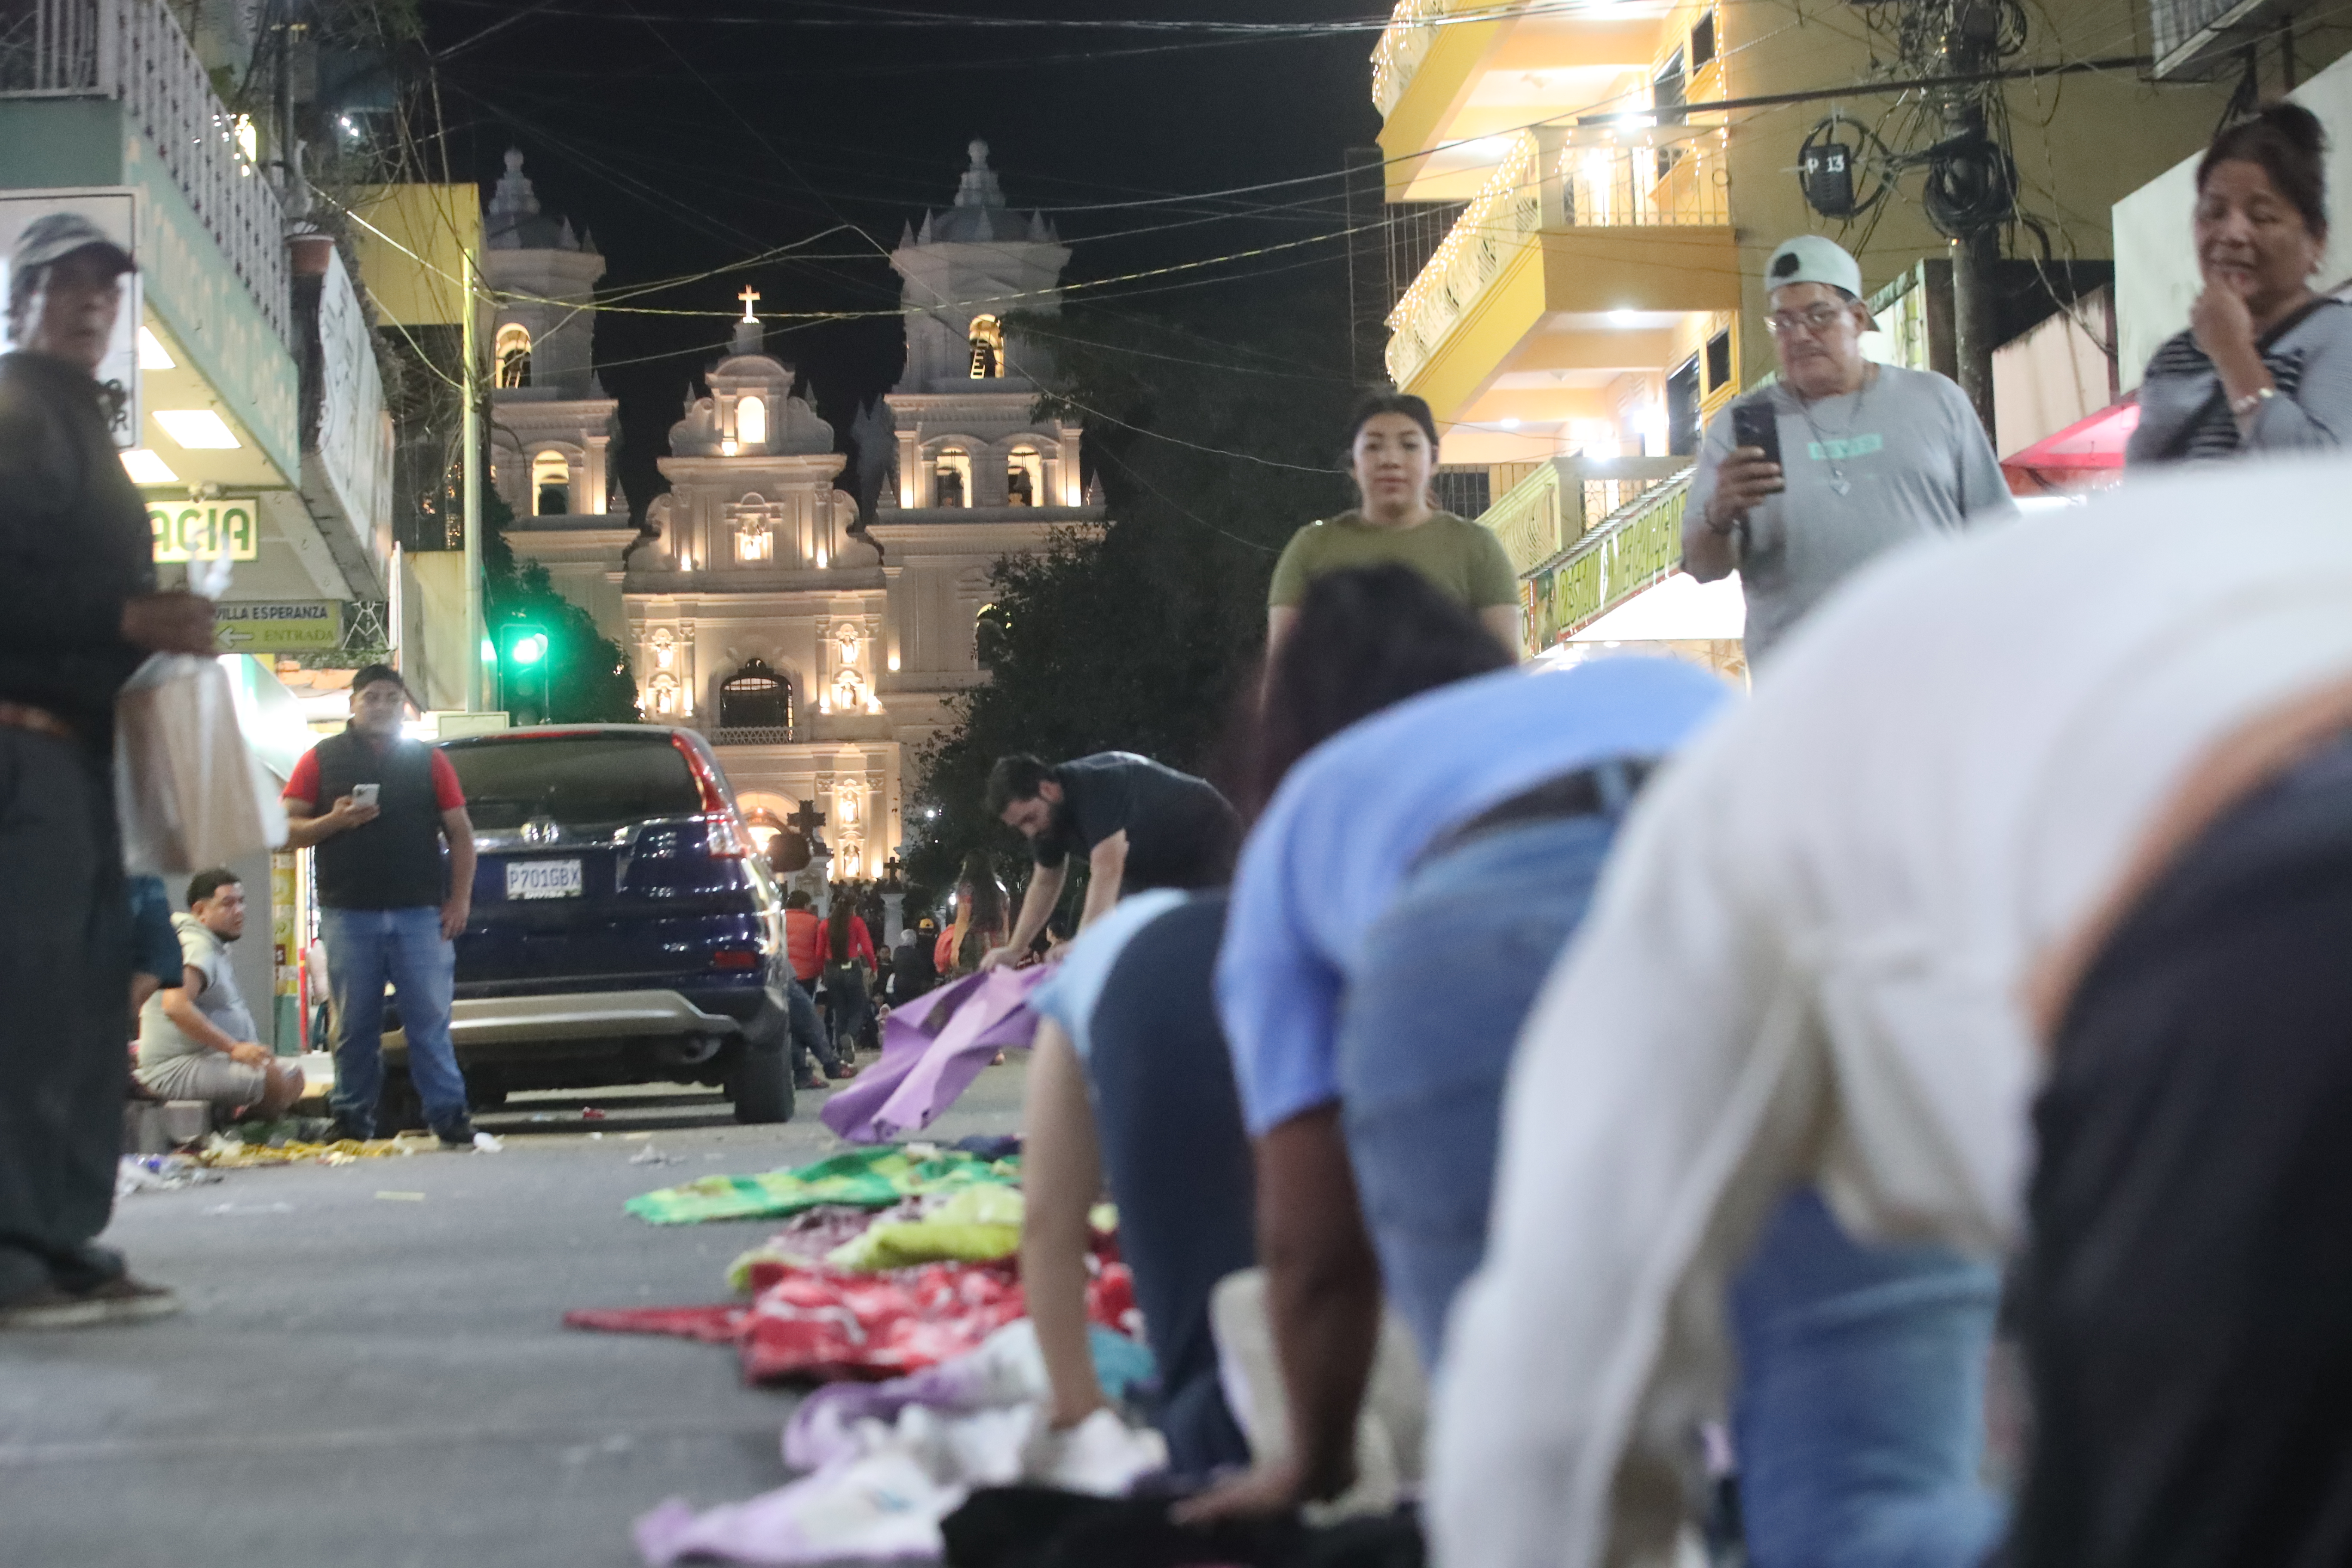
{"x":195,"y":1039}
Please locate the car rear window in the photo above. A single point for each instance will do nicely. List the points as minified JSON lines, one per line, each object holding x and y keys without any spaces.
{"x":584,"y":782}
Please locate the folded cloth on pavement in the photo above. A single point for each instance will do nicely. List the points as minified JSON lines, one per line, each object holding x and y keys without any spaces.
{"x":977,"y":1225}
{"x":931,"y":1050}
{"x":891,"y":1461}
{"x":861,"y":1178}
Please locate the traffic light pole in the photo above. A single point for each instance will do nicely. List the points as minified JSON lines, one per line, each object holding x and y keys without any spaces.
{"x":471,"y":482}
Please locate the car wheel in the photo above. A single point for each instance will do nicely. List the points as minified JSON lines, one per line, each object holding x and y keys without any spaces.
{"x":762,"y":1083}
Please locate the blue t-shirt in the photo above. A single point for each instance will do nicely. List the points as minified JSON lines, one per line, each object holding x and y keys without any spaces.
{"x":1068,"y":997}
{"x":1324,"y":861}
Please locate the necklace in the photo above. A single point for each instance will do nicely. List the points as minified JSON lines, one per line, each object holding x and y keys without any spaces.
{"x":1837,"y":481}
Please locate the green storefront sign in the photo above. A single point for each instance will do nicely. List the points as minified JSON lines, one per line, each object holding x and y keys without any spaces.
{"x":206,"y":530}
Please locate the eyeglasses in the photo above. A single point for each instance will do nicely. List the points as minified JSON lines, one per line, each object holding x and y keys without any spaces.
{"x":1816,"y":320}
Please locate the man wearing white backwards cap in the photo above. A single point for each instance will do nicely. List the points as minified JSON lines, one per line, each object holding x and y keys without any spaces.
{"x":1843,"y":458}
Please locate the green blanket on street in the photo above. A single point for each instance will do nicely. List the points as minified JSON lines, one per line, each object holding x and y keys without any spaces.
{"x":863,"y":1178}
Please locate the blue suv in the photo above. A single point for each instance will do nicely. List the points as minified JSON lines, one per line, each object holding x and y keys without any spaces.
{"x":624,"y":930}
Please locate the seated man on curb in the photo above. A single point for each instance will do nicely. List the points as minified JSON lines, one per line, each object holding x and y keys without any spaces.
{"x":196,"y":1041}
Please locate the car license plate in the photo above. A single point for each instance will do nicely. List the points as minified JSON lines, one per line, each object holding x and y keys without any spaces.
{"x":543,"y":879}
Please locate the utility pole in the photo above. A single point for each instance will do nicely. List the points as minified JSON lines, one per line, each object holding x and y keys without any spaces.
{"x":470,"y":470}
{"x":1971,"y":46}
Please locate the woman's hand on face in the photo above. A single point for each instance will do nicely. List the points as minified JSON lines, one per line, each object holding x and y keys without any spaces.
{"x":2221,"y":324}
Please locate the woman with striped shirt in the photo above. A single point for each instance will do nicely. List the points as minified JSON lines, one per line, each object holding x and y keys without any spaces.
{"x":2265,"y":364}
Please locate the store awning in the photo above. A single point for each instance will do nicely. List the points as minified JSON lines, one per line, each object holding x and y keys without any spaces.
{"x":2089,"y":451}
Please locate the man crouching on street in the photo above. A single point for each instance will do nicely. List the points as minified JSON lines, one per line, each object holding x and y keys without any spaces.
{"x":195,"y":1039}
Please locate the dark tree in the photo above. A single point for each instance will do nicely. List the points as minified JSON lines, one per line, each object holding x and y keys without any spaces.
{"x":588,"y":678}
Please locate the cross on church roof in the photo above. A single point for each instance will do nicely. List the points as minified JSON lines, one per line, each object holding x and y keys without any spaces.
{"x":808,"y":818}
{"x":750,"y":297}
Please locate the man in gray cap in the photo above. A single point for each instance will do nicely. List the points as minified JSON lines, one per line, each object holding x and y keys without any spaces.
{"x":77,"y":558}
{"x":1869,"y":455}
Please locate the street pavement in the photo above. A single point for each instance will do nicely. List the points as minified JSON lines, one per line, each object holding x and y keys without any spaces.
{"x":372,"y":1372}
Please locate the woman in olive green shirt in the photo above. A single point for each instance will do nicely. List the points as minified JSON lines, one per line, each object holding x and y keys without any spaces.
{"x":1393,"y":451}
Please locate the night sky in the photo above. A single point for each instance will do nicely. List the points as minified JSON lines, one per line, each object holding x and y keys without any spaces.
{"x":687,"y":142}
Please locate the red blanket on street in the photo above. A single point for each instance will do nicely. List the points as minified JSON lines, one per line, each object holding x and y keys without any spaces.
{"x":826,"y":1325}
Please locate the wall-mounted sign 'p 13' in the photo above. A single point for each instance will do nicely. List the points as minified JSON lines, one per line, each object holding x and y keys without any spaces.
{"x":205,"y":531}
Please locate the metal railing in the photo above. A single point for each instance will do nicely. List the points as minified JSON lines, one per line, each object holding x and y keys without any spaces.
{"x":133,"y":50}
{"x":763,"y":735}
{"x":1552,"y":508}
{"x":1405,"y":43}
{"x":1634,"y":547}
{"x":1558,"y":179}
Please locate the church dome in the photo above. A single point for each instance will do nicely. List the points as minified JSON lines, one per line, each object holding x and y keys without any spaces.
{"x":981,"y":214}
{"x":513,"y":220}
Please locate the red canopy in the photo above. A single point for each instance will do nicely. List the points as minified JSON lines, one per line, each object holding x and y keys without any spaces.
{"x":2086,"y":453}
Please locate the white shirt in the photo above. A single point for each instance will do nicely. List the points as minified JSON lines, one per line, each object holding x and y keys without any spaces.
{"x":1806,"y":963}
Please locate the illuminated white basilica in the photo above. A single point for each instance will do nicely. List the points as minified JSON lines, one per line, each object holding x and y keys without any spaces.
{"x":816,"y":653}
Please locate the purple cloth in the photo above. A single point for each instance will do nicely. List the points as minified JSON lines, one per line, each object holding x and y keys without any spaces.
{"x":931,"y":1050}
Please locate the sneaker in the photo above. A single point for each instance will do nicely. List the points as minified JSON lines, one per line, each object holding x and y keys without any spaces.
{"x":846,"y":1069}
{"x":458,"y":1134}
{"x":810,"y":1080}
{"x":338,"y":1131}
{"x":122,"y":1300}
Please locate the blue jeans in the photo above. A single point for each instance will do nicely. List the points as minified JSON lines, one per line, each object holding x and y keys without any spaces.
{"x":1859,"y":1418}
{"x":811,"y":1046}
{"x":364,"y":949}
{"x":846,"y":1004}
{"x":1426,"y":1033}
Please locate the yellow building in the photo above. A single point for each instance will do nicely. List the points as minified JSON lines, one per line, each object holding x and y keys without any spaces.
{"x":1599,"y":297}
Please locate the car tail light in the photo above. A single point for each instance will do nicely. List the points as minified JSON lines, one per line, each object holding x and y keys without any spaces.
{"x":729,"y":841}
{"x":737,"y":959}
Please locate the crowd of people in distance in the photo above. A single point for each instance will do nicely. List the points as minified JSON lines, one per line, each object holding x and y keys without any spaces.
{"x":1624,"y":1115}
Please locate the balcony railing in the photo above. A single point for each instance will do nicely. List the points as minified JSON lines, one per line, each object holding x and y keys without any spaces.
{"x":1553,"y":507}
{"x":133,"y":50}
{"x":1639,"y":544}
{"x":760,"y":735}
{"x":1558,"y":179}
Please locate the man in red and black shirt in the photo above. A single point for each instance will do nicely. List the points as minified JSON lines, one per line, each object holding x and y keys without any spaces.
{"x":390,"y":908}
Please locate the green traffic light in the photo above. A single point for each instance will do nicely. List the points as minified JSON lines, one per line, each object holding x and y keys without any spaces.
{"x":530,"y":649}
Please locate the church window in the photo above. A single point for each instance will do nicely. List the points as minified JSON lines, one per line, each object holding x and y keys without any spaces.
{"x":551,"y":484}
{"x":1025,"y":476}
{"x":954,"y":476}
{"x":750,"y":422}
{"x":755,"y":698}
{"x":990,"y":628}
{"x":514,"y":355}
{"x":661,"y":696}
{"x":987,"y":348}
{"x":755,"y":541}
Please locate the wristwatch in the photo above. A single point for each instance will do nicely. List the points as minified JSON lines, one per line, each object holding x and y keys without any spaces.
{"x":2245,"y":408}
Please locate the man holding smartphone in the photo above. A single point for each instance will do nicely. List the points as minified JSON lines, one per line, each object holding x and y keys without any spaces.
{"x":1802,"y":482}
{"x":390,"y":909}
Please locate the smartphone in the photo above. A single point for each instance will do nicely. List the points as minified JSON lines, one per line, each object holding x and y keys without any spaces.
{"x":1755,"y":424}
{"x":364,"y":794}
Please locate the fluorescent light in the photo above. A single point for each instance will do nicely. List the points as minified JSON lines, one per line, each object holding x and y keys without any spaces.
{"x":152,"y":355}
{"x":1624,"y":318}
{"x":146,"y":468}
{"x":197,"y":429}
{"x":1511,"y":424}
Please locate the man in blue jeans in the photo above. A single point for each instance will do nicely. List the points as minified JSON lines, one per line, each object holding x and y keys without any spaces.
{"x":391,"y":908}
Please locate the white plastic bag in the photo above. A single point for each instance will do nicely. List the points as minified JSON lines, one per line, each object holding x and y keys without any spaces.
{"x":189,"y":792}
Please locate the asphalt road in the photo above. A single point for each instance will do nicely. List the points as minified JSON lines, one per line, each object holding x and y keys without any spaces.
{"x":371,"y":1371}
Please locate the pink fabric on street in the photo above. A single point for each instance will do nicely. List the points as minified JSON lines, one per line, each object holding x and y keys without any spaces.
{"x":931,"y":1050}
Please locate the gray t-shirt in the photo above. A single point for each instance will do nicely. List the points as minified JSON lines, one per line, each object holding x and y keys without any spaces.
{"x":159,"y":1039}
{"x":1902,"y":458}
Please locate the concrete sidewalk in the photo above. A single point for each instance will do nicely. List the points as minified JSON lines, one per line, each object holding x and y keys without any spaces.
{"x":372,"y":1372}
